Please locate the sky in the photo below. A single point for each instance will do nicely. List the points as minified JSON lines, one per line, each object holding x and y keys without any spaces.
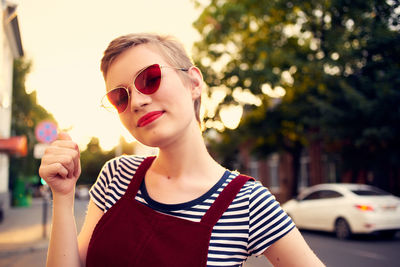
{"x":65,"y":41}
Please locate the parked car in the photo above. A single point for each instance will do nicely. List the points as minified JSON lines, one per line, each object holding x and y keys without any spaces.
{"x":82,"y":192}
{"x":346,"y":209}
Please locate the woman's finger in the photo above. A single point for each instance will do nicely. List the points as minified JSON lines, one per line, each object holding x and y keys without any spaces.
{"x":67,"y":160}
{"x":54,"y":170}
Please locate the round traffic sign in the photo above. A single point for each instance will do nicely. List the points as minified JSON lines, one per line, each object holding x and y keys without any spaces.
{"x":46,"y":132}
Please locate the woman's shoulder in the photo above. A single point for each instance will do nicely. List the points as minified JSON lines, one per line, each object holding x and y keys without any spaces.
{"x":248,"y":192}
{"x":114,"y":179}
{"x":254,"y":193}
{"x":119,"y":170}
{"x":251,"y":186}
{"x":125,"y":163}
{"x":125,"y":160}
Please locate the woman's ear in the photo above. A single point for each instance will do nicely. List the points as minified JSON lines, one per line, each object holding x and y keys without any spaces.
{"x":196,"y":82}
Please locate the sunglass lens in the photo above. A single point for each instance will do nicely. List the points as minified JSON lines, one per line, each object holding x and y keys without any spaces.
{"x":149,"y":80}
{"x":119,"y":99}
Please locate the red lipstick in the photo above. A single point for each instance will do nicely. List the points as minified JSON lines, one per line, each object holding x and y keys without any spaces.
{"x":148,"y":118}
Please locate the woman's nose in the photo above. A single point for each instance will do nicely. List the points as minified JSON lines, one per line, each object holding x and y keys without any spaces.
{"x":139,"y":99}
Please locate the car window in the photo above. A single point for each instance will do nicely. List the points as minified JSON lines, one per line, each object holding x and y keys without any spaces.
{"x":370,"y":192}
{"x":330,"y":194}
{"x":322,"y":194}
{"x":313,"y":195}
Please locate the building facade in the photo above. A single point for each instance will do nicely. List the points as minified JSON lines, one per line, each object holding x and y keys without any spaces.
{"x":10,"y":49}
{"x":316,"y":166}
{"x":277,"y":170}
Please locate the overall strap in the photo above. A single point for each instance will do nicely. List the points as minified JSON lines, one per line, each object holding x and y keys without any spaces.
{"x":224,"y":199}
{"x":138,"y":177}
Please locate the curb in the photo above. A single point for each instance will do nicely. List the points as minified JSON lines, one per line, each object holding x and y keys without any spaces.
{"x":8,"y":252}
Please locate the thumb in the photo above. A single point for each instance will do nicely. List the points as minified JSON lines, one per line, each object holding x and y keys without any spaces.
{"x":64,"y":136}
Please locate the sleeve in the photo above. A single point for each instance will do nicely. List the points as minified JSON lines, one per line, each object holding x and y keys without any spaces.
{"x":98,"y":192}
{"x":268,"y":222}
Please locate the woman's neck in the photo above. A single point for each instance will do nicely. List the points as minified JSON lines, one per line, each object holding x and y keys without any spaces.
{"x":186,"y":157}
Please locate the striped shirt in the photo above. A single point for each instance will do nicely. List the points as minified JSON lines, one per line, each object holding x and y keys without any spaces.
{"x":252,"y":222}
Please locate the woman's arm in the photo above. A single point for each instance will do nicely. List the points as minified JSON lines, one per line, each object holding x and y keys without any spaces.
{"x":63,"y":245}
{"x":93,"y":216}
{"x":292,"y":250}
{"x":60,"y":168}
{"x":64,"y":250}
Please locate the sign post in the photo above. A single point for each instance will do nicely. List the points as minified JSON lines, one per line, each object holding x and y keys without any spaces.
{"x":46,"y":133}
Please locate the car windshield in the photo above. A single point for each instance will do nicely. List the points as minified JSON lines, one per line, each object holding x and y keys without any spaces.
{"x":370,"y":192}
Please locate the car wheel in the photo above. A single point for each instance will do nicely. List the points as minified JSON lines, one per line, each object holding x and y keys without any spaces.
{"x":342,"y":229}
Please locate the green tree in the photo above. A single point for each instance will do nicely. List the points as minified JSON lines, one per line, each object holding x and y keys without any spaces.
{"x":92,"y":160}
{"x":337,"y":60}
{"x":26,"y":114}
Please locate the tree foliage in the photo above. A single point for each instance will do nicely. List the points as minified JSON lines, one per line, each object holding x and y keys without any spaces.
{"x":337,"y":60}
{"x":92,"y":160}
{"x":26,"y":114}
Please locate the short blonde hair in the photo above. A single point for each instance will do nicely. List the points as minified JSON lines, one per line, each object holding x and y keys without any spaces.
{"x":169,"y":47}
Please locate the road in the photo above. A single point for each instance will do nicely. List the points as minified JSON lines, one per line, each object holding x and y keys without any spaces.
{"x":360,"y":251}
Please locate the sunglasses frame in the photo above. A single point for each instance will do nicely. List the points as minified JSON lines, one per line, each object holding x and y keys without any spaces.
{"x":105,"y":97}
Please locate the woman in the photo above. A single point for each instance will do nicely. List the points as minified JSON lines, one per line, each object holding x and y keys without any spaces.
{"x":180,"y":208}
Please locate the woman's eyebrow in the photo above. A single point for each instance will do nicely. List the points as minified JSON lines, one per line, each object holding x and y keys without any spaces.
{"x":142,"y":69}
{"x":130,"y":82}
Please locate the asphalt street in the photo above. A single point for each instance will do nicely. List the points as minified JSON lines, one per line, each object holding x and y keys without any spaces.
{"x":360,"y":251}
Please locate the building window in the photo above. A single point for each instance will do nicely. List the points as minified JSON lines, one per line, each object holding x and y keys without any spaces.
{"x":273,"y":166}
{"x":304,"y":176}
{"x":329,"y":169}
{"x":253,"y":168}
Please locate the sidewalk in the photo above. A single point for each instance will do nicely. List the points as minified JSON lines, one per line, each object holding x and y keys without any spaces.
{"x":23,"y":240}
{"x":22,"y":227}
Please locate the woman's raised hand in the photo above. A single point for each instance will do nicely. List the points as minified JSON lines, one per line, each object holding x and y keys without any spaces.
{"x":60,"y":166}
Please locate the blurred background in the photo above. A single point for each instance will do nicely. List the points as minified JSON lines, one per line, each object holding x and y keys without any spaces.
{"x":299,"y":93}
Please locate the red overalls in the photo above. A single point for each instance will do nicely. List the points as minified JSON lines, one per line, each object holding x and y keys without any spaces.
{"x":132,"y":234}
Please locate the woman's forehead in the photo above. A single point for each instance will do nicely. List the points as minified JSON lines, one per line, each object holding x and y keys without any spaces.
{"x":125,"y":67}
{"x":139,"y":55}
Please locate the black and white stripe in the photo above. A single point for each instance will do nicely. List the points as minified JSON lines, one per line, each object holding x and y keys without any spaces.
{"x":252,"y":222}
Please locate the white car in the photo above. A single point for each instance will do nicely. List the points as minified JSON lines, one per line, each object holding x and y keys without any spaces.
{"x":346,"y":209}
{"x":82,"y":192}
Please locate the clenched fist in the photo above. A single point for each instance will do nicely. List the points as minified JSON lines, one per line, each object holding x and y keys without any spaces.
{"x":60,"y":166}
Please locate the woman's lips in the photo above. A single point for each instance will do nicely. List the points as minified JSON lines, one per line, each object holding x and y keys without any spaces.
{"x":149,"y":117}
